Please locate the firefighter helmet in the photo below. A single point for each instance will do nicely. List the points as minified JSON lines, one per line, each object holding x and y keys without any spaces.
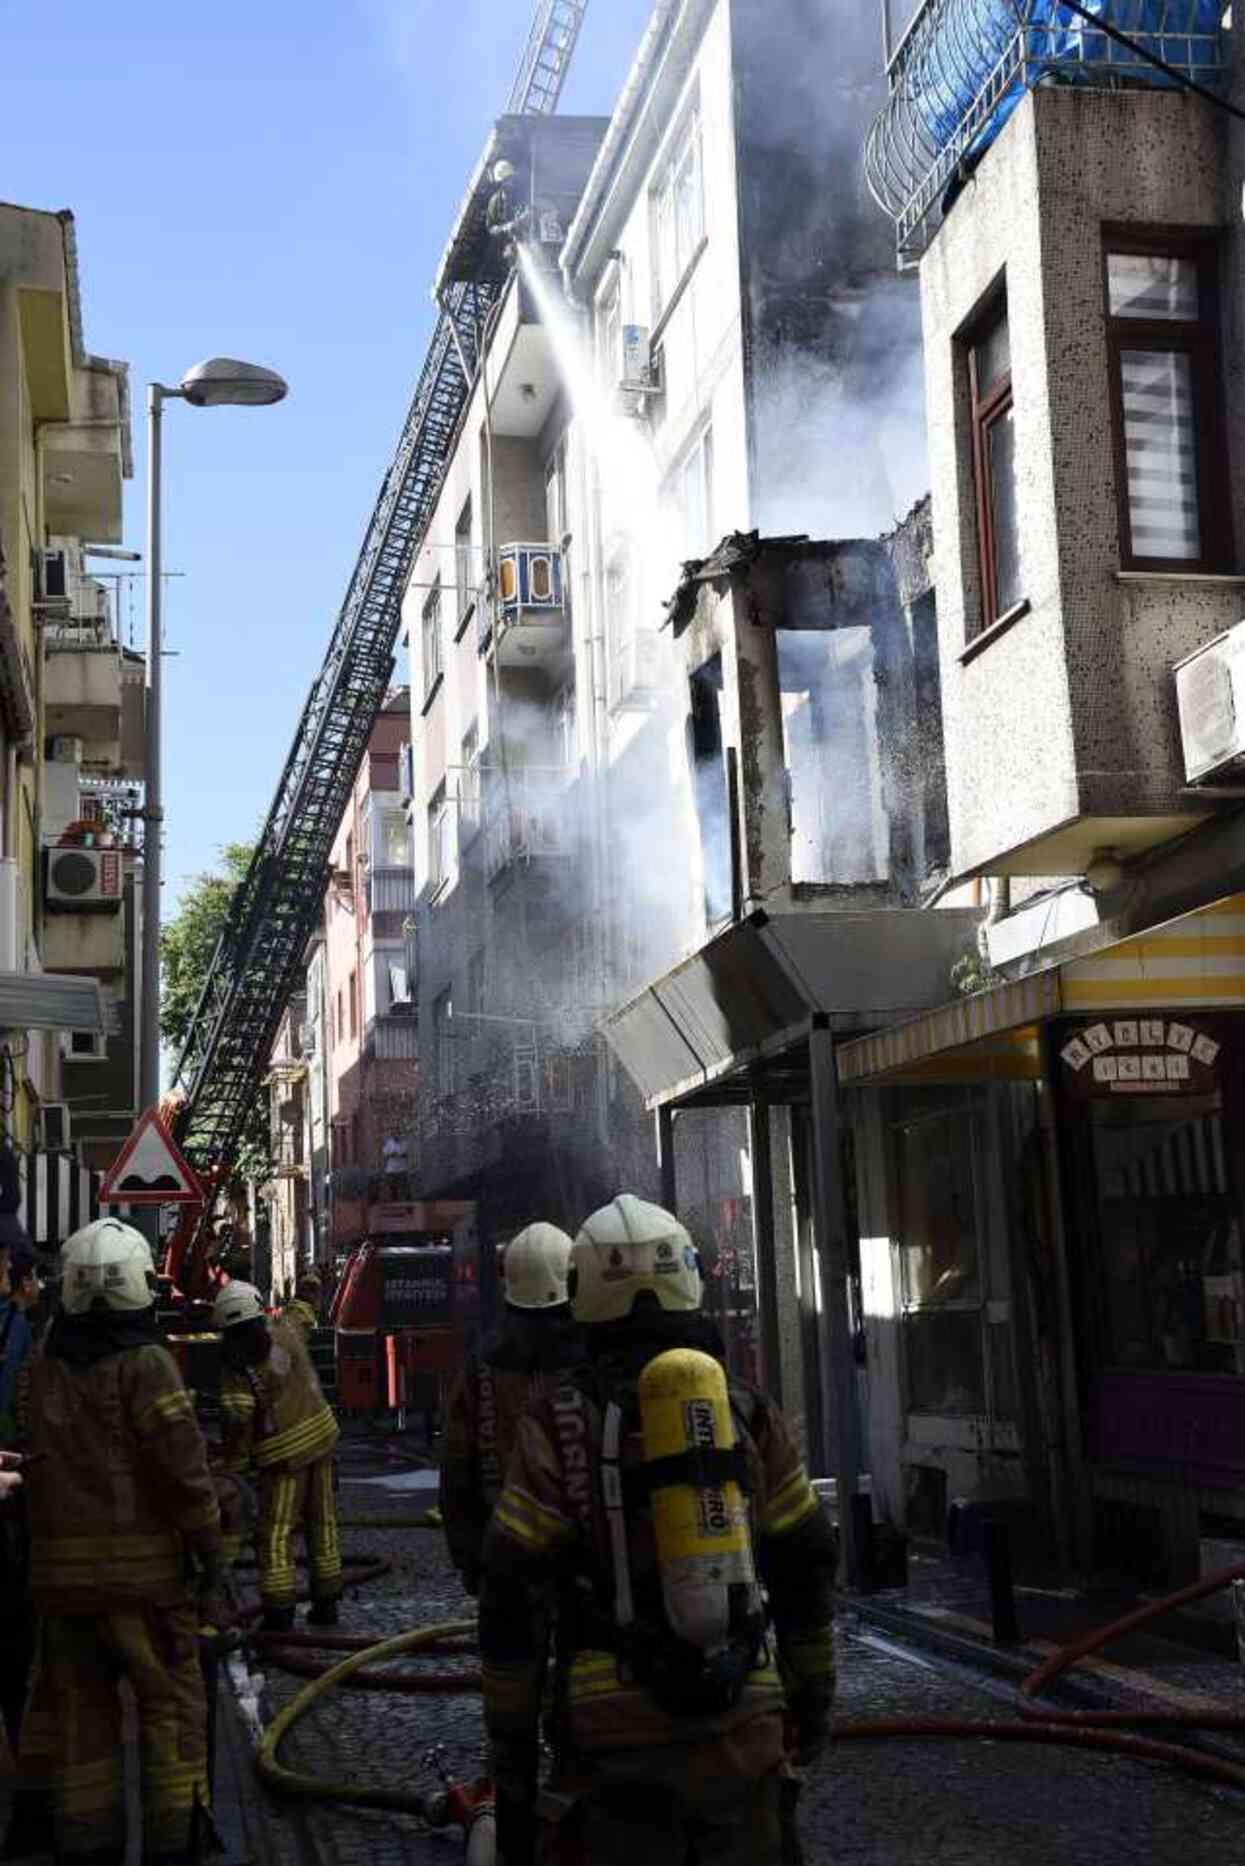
{"x":628,"y":1248}
{"x":106,"y":1264}
{"x":535,"y":1267}
{"x":237,"y":1302}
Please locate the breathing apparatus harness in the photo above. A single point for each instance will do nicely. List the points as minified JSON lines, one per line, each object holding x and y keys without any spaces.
{"x":702,"y":1488}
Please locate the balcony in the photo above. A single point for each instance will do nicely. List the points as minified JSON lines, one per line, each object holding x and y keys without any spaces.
{"x":962,"y":66}
{"x":527,"y":818}
{"x":531,"y":612}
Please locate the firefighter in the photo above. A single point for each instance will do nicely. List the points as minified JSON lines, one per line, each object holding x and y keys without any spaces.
{"x":125,"y":1567}
{"x":303,"y":1309}
{"x":537,"y":1342}
{"x":661,"y":1501}
{"x":277,"y":1423}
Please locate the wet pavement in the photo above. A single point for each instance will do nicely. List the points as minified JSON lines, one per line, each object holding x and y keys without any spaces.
{"x":922,"y":1803}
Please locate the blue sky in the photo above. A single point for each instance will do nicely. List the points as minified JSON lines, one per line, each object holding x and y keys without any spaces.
{"x":272,"y":181}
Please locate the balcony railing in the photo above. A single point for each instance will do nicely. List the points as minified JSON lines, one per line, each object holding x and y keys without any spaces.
{"x":391,"y":891}
{"x":527,"y":817}
{"x":393,"y":1039}
{"x":963,"y":65}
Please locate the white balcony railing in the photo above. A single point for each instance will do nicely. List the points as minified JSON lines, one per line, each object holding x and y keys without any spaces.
{"x":526,"y":817}
{"x":962,"y":65}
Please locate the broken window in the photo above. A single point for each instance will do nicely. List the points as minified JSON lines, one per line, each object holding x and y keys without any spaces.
{"x":709,"y":785}
{"x":840,"y":829}
{"x":1162,"y":335}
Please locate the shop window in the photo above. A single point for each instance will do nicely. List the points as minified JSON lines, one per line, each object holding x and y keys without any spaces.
{"x":1162,"y":339}
{"x":938,"y":1159}
{"x":994,"y":465}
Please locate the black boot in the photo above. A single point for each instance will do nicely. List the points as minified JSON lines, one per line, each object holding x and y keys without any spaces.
{"x":277,"y":1620}
{"x":323,"y":1613}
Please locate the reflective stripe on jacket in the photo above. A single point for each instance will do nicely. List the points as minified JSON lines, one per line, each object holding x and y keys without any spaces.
{"x":275,"y":1415}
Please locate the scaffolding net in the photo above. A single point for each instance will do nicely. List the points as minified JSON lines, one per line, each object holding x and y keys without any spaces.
{"x":963,"y":66}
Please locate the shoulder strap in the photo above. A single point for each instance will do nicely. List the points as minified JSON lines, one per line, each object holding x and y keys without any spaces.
{"x":615,"y":1515}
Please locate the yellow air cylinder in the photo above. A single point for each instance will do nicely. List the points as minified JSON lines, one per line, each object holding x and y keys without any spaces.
{"x":704,"y":1547}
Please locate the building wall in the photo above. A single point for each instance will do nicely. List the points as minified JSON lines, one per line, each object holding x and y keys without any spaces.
{"x":1071,"y":712}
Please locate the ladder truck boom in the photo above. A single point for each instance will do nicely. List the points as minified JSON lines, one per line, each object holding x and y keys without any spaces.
{"x":276,"y":906}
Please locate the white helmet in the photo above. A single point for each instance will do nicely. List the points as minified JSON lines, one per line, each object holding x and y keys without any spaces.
{"x":534,"y":1268}
{"x":630,"y":1246}
{"x":237,"y":1302}
{"x":109,"y":1263}
{"x":503,"y":172}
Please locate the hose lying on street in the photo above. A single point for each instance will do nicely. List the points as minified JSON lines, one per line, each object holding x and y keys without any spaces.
{"x":1112,"y":1731}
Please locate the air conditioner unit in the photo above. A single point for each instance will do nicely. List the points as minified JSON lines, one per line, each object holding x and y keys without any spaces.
{"x":84,"y":1046}
{"x":84,"y":880}
{"x":52,"y":582}
{"x":65,"y":749}
{"x":1210,"y":699}
{"x":638,"y":380}
{"x":54,"y":1127}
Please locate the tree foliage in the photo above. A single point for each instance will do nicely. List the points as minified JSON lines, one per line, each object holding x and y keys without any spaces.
{"x":187,"y":943}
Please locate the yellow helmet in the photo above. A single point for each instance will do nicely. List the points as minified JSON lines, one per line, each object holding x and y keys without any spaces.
{"x":625,"y":1249}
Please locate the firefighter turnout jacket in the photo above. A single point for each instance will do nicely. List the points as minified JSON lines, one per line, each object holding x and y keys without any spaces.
{"x":551,"y":1526}
{"x":526,"y":1359}
{"x":117,"y":1483}
{"x":302,"y":1315}
{"x":275,"y":1416}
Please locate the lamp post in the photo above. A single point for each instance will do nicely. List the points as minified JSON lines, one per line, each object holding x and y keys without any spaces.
{"x":222,"y":380}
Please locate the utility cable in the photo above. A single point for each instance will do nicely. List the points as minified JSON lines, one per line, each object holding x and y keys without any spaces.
{"x":1152,"y":58}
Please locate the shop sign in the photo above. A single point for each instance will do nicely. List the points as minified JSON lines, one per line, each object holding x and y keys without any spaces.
{"x":1141,"y":1056}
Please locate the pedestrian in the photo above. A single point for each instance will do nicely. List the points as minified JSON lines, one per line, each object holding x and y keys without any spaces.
{"x":278,"y":1424}
{"x":303,"y":1308}
{"x":659,"y":1500}
{"x":125,"y":1566}
{"x":536,"y":1343}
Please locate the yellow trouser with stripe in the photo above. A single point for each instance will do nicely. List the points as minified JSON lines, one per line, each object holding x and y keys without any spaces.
{"x":71,"y":1744}
{"x":290,"y":1500}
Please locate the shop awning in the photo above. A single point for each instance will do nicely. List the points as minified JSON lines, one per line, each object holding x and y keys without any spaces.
{"x":749,"y":994}
{"x":50,"y":1001}
{"x":1198,"y":960}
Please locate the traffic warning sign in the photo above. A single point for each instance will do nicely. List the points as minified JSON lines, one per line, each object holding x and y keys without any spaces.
{"x":150,"y":1169}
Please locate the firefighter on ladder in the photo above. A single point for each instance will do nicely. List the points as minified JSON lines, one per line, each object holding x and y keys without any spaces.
{"x":537,"y":1342}
{"x":278,"y":1425}
{"x":125,"y":1569}
{"x":659,"y":1498}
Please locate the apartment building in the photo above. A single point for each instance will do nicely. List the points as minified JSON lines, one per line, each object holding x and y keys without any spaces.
{"x":676,"y":774}
{"x":71,"y":731}
{"x":1052,"y":1169}
{"x":359,"y":1024}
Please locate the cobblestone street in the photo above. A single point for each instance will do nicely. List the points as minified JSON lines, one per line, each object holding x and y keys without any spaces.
{"x":871,"y":1804}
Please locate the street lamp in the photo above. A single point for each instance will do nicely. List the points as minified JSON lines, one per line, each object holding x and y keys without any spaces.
{"x":221,"y":380}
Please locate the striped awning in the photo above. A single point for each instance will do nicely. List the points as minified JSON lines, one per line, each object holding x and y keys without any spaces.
{"x":1196,"y":960}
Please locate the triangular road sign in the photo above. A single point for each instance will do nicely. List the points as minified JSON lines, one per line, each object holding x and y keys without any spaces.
{"x":150,"y":1170}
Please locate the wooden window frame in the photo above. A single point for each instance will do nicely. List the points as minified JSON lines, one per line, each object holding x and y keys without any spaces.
{"x":1200,"y":341}
{"x":984,"y":412}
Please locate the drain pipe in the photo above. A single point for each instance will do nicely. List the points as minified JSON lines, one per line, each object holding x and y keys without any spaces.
{"x":1000,"y":898}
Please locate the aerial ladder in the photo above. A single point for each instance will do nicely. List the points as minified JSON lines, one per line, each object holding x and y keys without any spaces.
{"x":276,"y":907}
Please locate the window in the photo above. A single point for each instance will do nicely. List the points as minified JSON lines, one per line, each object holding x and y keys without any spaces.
{"x":395,"y":840}
{"x":443,"y":1035}
{"x":709,"y":784}
{"x":354,"y":1004}
{"x":620,"y":622}
{"x":432,"y":639}
{"x":678,"y":213}
{"x":609,"y":336}
{"x":994,"y":466}
{"x":1162,"y":343}
{"x":560,"y":1083}
{"x":938,"y":1169}
{"x":562,"y":727}
{"x":341,"y":1022}
{"x":350,"y":859}
{"x":469,"y":781}
{"x":440,"y":839}
{"x":464,"y":565}
{"x":693,"y":490}
{"x":555,"y":495}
